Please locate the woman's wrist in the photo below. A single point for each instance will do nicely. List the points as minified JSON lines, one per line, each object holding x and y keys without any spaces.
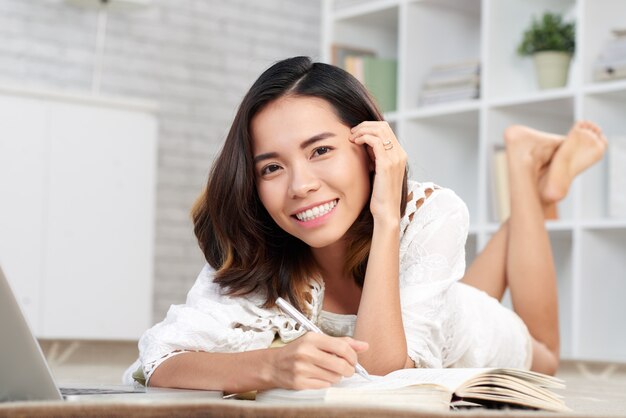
{"x":386,"y":222}
{"x":267,"y":368}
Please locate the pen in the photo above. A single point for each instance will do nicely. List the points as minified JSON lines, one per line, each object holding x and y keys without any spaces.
{"x":310,"y":326}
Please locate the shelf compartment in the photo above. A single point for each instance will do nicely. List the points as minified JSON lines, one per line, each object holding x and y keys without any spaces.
{"x":444,"y":149}
{"x":438,"y":33}
{"x":374,"y":30}
{"x":602,"y":285}
{"x":607,"y":110}
{"x":508,"y":73}
{"x":601,"y":16}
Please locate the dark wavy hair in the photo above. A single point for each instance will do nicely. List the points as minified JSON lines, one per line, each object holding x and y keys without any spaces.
{"x":249,"y":251}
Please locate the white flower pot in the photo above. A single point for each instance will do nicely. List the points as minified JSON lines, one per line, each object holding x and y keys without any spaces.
{"x":552,"y":68}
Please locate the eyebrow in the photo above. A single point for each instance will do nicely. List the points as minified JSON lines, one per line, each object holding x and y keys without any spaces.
{"x":303,"y":145}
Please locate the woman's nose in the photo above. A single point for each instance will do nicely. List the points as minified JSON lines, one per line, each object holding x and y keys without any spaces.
{"x":303,"y":181}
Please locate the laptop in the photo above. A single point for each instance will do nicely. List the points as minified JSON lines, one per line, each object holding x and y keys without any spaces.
{"x":25,"y":375}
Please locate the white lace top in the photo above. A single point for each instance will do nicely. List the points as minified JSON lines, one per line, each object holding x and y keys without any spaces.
{"x":447,"y":323}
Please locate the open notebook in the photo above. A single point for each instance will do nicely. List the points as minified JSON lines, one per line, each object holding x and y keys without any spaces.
{"x":436,"y":389}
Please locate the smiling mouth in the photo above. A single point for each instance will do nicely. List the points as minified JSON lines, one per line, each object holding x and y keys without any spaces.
{"x":316,"y":212}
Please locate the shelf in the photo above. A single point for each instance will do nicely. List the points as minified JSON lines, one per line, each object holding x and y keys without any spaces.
{"x":532,"y":98}
{"x":551,"y":226}
{"x":455,"y":136}
{"x":452,"y":143}
{"x":509,"y":74}
{"x":604,"y":224}
{"x":443,"y":109}
{"x":367,"y":9}
{"x":607,"y":87}
{"x":457,"y":41}
{"x":600,"y":16}
{"x":602,"y":288}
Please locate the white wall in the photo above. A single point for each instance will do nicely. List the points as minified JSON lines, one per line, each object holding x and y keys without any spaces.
{"x":196,"y":58}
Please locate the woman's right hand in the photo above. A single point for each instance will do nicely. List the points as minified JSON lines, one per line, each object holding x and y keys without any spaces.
{"x":315,"y":361}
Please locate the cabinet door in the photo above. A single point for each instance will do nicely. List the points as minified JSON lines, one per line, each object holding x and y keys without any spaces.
{"x":23,"y":157}
{"x":99,"y":244}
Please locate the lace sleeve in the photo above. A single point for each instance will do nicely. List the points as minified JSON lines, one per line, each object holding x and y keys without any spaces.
{"x":432,"y":258}
{"x":210,"y":321}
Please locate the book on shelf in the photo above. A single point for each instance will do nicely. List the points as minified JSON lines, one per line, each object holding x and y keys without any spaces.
{"x":617,"y":177}
{"x":436,"y":389}
{"x":340,"y":52}
{"x":435,"y":97}
{"x":500,"y":176}
{"x":611,"y":62}
{"x":451,"y":82}
{"x":501,"y":196}
{"x":378,"y":75}
{"x":464,"y":80}
{"x":607,"y":71}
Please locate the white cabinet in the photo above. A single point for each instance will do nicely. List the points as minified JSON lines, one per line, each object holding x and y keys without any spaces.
{"x":77,"y":193}
{"x":451,"y":144}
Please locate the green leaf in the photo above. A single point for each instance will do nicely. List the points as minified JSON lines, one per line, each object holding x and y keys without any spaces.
{"x":550,"y":33}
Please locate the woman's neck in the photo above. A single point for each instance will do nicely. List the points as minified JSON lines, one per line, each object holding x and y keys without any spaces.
{"x":342,"y":295}
{"x":331,"y":260}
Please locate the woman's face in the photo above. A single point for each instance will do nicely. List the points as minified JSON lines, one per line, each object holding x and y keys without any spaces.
{"x":311,"y":179}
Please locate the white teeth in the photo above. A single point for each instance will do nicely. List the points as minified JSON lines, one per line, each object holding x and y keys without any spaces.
{"x":316,"y":212}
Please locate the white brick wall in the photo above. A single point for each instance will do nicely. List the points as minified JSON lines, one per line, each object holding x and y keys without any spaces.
{"x":195,"y":57}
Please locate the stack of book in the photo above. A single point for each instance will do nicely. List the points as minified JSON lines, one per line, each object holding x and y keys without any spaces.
{"x":451,"y":82}
{"x":611,"y":63}
{"x":378,"y":75}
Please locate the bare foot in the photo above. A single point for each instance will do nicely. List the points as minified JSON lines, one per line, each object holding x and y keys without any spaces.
{"x":584,"y":145}
{"x":532,"y":146}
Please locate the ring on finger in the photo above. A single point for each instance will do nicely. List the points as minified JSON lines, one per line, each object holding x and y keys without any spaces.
{"x":387,"y":145}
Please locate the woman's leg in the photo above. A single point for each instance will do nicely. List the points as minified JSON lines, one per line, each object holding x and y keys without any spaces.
{"x":530,"y":271}
{"x":488,"y":270}
{"x":519,"y":254}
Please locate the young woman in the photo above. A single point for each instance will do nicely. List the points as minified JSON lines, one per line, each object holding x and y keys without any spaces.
{"x":309,"y":200}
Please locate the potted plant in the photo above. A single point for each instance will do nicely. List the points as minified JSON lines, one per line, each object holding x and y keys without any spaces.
{"x":551,"y":42}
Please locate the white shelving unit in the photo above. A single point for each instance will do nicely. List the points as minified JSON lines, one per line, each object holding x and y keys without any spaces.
{"x":451,"y":143}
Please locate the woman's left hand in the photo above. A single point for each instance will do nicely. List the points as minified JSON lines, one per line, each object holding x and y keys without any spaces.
{"x":389,"y":159}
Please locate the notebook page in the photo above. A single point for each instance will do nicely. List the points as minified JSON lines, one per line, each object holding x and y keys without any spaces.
{"x":451,"y":379}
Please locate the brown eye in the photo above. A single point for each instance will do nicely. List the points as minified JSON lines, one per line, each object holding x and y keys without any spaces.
{"x":269,"y":169}
{"x":321,"y":151}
